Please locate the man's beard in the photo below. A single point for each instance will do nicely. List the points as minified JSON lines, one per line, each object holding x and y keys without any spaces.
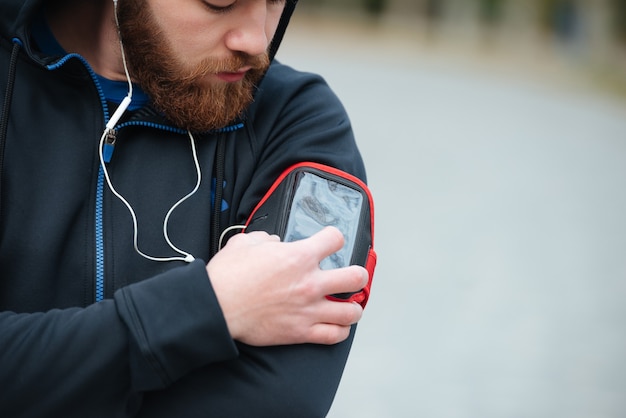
{"x":177,"y":90}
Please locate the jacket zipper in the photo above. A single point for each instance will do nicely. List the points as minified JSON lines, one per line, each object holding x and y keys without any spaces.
{"x":99,"y":233}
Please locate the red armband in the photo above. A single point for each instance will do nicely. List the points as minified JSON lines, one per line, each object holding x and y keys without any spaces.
{"x":308,"y":197}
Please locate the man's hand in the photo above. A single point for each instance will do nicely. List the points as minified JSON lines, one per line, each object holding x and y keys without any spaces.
{"x":274,"y":293}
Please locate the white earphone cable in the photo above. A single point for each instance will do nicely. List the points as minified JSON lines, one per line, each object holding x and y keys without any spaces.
{"x":126,"y":102}
{"x":109,"y":130}
{"x":117,"y":24}
{"x":226,"y":231}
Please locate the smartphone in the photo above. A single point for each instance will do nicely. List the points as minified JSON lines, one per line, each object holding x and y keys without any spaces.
{"x":319,"y":202}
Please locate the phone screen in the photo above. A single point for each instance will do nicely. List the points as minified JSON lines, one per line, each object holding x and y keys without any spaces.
{"x":319,"y":202}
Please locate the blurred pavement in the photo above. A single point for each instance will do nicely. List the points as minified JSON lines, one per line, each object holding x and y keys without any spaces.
{"x":501,"y":232}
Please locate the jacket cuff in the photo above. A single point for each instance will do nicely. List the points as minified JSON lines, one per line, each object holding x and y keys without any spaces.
{"x":175,"y":325}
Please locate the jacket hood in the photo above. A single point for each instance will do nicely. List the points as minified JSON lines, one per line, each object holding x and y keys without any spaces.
{"x":16,"y":15}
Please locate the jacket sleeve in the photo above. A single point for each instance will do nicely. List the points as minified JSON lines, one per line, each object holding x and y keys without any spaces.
{"x":308,"y":123}
{"x":99,"y":358}
{"x":263,"y":382}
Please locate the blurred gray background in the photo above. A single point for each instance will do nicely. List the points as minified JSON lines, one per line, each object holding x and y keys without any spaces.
{"x":494,"y":133}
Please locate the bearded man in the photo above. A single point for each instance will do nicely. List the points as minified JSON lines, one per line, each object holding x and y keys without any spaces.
{"x":133,"y":136}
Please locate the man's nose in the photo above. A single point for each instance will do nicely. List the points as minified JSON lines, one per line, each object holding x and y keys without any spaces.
{"x":249,"y":35}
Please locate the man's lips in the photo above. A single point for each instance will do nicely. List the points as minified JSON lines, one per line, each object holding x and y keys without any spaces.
{"x":231,"y":77}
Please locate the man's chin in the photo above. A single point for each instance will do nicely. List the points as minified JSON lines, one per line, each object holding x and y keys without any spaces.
{"x":201,"y":108}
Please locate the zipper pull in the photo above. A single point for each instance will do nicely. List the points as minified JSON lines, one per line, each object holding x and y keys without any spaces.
{"x":109,"y":145}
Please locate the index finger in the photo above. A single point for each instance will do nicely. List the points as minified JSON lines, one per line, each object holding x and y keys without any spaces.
{"x":324,"y":243}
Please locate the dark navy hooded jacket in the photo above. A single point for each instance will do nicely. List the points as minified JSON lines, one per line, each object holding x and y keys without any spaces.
{"x":88,"y":328}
